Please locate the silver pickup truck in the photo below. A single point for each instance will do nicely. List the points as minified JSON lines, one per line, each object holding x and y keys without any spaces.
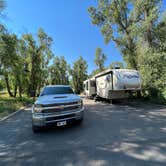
{"x":58,"y":105}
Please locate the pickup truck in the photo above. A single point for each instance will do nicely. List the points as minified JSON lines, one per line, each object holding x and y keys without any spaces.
{"x":56,"y":105}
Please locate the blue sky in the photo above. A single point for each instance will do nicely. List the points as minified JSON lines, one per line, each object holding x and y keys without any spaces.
{"x":67,"y":22}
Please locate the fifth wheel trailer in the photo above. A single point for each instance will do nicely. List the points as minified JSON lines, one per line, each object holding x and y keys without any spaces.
{"x":90,"y":87}
{"x":113,"y":84}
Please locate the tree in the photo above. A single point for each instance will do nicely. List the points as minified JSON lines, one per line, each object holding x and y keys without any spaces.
{"x":2,"y":84}
{"x":9,"y":61}
{"x":100,"y":58}
{"x":79,"y":74}
{"x":147,"y":12}
{"x":113,"y":65}
{"x":115,"y":19}
{"x":122,"y":21}
{"x":138,"y":30}
{"x":150,"y":47}
{"x":36,"y":54}
{"x":59,"y":71}
{"x":94,"y":72}
{"x":152,"y":62}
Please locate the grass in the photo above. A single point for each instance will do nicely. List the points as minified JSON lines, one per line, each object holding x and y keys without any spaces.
{"x":9,"y":105}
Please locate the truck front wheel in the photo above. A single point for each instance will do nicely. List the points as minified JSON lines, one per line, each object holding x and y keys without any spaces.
{"x":35,"y":129}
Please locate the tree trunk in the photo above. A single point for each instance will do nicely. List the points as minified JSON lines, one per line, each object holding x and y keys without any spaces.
{"x":8,"y":86}
{"x":149,"y":29}
{"x":15,"y":90}
{"x":19,"y":87}
{"x":20,"y":91}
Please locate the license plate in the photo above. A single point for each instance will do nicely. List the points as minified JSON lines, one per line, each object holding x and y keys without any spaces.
{"x":63,"y":123}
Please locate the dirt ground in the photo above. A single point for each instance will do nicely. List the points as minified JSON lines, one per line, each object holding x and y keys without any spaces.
{"x":122,"y":134}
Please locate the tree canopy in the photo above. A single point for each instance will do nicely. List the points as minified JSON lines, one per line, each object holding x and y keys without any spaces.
{"x":28,"y":63}
{"x":100,"y":58}
{"x":79,"y":74}
{"x":138,"y":29}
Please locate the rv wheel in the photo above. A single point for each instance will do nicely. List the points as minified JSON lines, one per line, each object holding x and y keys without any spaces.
{"x":96,"y":98}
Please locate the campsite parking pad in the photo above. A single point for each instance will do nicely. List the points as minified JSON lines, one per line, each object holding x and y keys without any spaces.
{"x":123,"y":134}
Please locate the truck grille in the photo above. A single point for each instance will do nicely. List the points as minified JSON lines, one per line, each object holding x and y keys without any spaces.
{"x":60,"y":109}
{"x":59,"y":104}
{"x":60,"y":117}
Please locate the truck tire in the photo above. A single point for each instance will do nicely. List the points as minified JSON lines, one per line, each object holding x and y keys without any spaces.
{"x":79,"y":122}
{"x":35,"y":129}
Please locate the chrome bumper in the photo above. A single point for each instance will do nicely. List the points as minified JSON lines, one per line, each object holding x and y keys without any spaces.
{"x":43,"y":119}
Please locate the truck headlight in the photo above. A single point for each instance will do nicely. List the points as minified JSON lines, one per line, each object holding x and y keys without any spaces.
{"x":37,"y":108}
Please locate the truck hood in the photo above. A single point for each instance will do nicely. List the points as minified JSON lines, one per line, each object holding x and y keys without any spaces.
{"x":53,"y":99}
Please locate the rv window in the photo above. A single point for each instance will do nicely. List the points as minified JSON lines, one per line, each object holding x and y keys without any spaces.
{"x":86,"y":85}
{"x":92,"y":84}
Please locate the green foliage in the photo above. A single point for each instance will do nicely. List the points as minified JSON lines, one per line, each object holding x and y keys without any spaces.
{"x":36,"y":55}
{"x":94,"y":72}
{"x":27,"y":64}
{"x":138,"y":32}
{"x":59,"y":71}
{"x":152,"y":67}
{"x":115,"y":20}
{"x":9,"y":104}
{"x":79,"y":74}
{"x":100,"y":58}
{"x":24,"y":62}
{"x":2,"y":84}
{"x":113,"y":65}
{"x":9,"y":60}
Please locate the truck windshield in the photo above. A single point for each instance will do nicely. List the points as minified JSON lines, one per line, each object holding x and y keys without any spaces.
{"x":56,"y":90}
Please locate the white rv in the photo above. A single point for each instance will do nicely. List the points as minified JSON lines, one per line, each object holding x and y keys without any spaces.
{"x":90,"y":88}
{"x":115,"y":83}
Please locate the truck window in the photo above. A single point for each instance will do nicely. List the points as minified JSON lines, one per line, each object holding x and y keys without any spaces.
{"x":56,"y":90}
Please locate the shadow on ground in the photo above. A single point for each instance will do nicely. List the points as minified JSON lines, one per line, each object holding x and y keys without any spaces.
{"x":126,"y":134}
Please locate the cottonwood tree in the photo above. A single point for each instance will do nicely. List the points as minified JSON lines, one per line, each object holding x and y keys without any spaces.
{"x":79,"y":74}
{"x":59,"y":73}
{"x":151,"y":55}
{"x":99,"y":60}
{"x":38,"y":54}
{"x":8,"y":61}
{"x":115,"y":19}
{"x":113,"y":65}
{"x":135,"y":26}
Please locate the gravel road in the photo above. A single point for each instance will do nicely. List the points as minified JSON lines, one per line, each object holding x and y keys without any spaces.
{"x":127,"y":134}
